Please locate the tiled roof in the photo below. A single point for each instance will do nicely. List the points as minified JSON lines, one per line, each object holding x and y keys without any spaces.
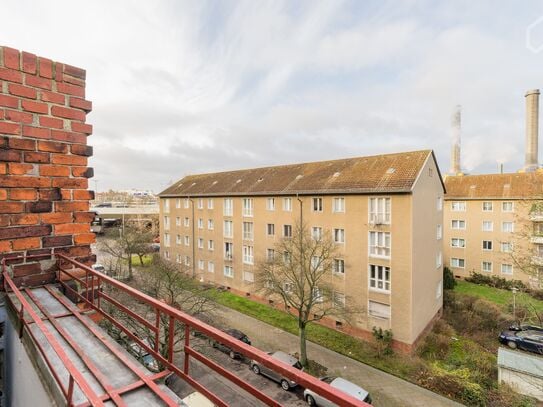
{"x":495,"y":186}
{"x":376,"y":174}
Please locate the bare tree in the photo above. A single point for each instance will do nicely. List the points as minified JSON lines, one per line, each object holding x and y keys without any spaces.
{"x":300,"y":275}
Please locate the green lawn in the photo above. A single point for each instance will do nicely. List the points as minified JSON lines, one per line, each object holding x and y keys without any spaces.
{"x":147,"y":259}
{"x":498,"y":296}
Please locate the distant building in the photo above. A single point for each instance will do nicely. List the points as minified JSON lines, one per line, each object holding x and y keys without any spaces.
{"x":385,"y":213}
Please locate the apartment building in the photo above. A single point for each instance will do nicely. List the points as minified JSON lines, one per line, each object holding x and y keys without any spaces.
{"x":494,"y":225}
{"x":384,"y":212}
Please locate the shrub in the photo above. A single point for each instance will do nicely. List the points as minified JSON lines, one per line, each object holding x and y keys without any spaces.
{"x":448,"y":279}
{"x":383,"y":341}
{"x":495,"y":281}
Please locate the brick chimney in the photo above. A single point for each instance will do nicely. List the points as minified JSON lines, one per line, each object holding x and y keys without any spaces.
{"x":532,"y":130}
{"x":44,"y":201}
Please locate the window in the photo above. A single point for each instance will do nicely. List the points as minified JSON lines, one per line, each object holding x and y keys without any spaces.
{"x":506,"y":247}
{"x":186,"y":203}
{"x":228,"y":208}
{"x":270,"y":204}
{"x":339,"y":299}
{"x":166,"y":205}
{"x":248,"y":254}
{"x":248,"y":276}
{"x":339,"y":266}
{"x":456,"y":242}
{"x":317,"y":204}
{"x":178,"y":204}
{"x":316,"y":233}
{"x":187,"y":261}
{"x":316,"y":263}
{"x":458,"y":263}
{"x":487,"y":207}
{"x":488,"y":226}
{"x":439,"y":203}
{"x":167,"y":255}
{"x":210,"y":245}
{"x":270,"y":254}
{"x":270,"y":229}
{"x":200,"y":223}
{"x":228,"y":250}
{"x":380,"y":244}
{"x":507,"y":227}
{"x":507,"y":269}
{"x":247,"y":206}
{"x":229,"y":271}
{"x":439,"y":289}
{"x":178,"y":239}
{"x":210,"y":267}
{"x":458,"y":224}
{"x":200,"y":243}
{"x":200,"y":264}
{"x":210,"y":203}
{"x":228,"y":228}
{"x":338,"y":205}
{"x":186,"y":222}
{"x":380,"y":210}
{"x":317,"y":295}
{"x":439,"y":260}
{"x":167,"y":239}
{"x":210,"y":224}
{"x":439,"y":232}
{"x":166,"y":222}
{"x":200,"y":203}
{"x":486,"y":266}
{"x":288,"y":287}
{"x":287,"y":230}
{"x":487,"y":244}
{"x":177,"y":221}
{"x":379,"y":277}
{"x":378,"y":310}
{"x":178,"y":258}
{"x":507,"y":206}
{"x":286,"y":257}
{"x":248,"y":231}
{"x":287,"y":204}
{"x":458,"y":206}
{"x":187,"y":241}
{"x":339,"y":235}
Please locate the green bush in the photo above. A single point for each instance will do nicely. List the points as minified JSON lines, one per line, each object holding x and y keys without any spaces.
{"x":383,"y":341}
{"x":495,"y":281}
{"x":448,"y":279}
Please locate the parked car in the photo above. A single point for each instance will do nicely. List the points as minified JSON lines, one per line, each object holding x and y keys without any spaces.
{"x":353,"y":390}
{"x":283,"y":357}
{"x":525,"y":328}
{"x":530,"y":340}
{"x":235,"y":334}
{"x":143,"y":356}
{"x":98,"y":267}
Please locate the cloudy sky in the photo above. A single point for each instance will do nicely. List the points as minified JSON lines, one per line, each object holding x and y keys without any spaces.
{"x":184,"y":87}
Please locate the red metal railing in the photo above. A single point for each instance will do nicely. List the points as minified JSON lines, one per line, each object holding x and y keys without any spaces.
{"x":93,"y":297}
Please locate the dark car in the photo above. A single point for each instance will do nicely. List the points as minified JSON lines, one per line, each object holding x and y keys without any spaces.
{"x":525,"y":328}
{"x":240,"y":336}
{"x":530,"y":340}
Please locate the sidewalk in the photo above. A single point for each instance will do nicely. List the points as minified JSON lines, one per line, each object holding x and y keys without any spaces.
{"x":385,"y":389}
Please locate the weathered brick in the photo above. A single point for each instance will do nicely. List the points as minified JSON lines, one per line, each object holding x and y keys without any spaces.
{"x":39,"y":207}
{"x":4,"y":220}
{"x":71,"y":206}
{"x":64,"y":159}
{"x":74,"y":251}
{"x":84,"y":217}
{"x":55,"y":217}
{"x":50,"y":194}
{"x":71,"y":228}
{"x":38,"y":82}
{"x":3,"y":168}
{"x":27,"y":243}
{"x":34,"y":157}
{"x":67,"y":194}
{"x":20,"y":169}
{"x":19,"y":194}
{"x":68,"y":136}
{"x":3,"y":194}
{"x":35,"y":107}
{"x":22,"y":143}
{"x":45,"y":67}
{"x":5,"y":246}
{"x":68,"y":113}
{"x":35,"y":279}
{"x":73,"y":183}
{"x":11,"y":75}
{"x":51,"y":122}
{"x":12,"y":207}
{"x":54,"y":171}
{"x":56,"y":241}
{"x":20,"y":219}
{"x":53,"y":147}
{"x":52,"y":97}
{"x":21,"y":181}
{"x":85,"y":172}
{"x":29,"y":63}
{"x":82,"y":195}
{"x":79,"y":103}
{"x":36,"y":132}
{"x":10,"y":155}
{"x":9,"y":101}
{"x":80,"y":149}
{"x":27,"y":269}
{"x":75,"y":71}
{"x":81,"y":127}
{"x":85,"y":238}
{"x":23,"y":91}
{"x":11,"y":58}
{"x":25,"y":231}
{"x":10,"y":128}
{"x":15,"y":116}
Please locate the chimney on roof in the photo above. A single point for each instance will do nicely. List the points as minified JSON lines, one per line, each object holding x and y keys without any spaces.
{"x":532,"y":130}
{"x":455,"y":136}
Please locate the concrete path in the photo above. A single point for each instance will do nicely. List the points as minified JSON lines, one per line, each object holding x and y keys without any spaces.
{"x":386,"y":390}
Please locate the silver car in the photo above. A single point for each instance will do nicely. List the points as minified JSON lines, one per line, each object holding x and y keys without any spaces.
{"x":286,"y":384}
{"x":313,"y":399}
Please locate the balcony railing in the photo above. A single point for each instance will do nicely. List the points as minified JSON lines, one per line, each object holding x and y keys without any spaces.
{"x":93,"y":296}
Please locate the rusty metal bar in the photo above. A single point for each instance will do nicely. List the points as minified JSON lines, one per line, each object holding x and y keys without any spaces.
{"x":157,"y":332}
{"x":171,"y":337}
{"x":187,"y":346}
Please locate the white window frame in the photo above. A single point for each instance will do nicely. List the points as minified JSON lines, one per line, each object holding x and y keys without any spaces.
{"x":458,"y":206}
{"x":487,"y":229}
{"x":456,"y":261}
{"x":178,"y":240}
{"x":504,"y":229}
{"x":210,"y":203}
{"x":491,"y":245}
{"x":483,"y":263}
{"x":316,"y":233}
{"x":287,"y":204}
{"x":488,"y":203}
{"x":248,"y":255}
{"x":507,"y":245}
{"x":186,"y":222}
{"x":270,"y":229}
{"x":228,"y":250}
{"x":166,"y":205}
{"x":458,"y":223}
{"x":379,"y":244}
{"x":228,"y":207}
{"x":439,"y":203}
{"x":287,"y":231}
{"x":339,"y":267}
{"x":380,"y":210}
{"x":317,"y":204}
{"x":210,"y":224}
{"x":379,"y":310}
{"x":186,"y":203}
{"x":460,"y":242}
{"x":178,"y":204}
{"x":338,"y":205}
{"x":210,"y":266}
{"x":378,"y":280}
{"x":248,"y":230}
{"x":228,"y":229}
{"x":187,"y":240}
{"x":200,"y":203}
{"x":228,"y":271}
{"x":201,"y":264}
{"x":166,"y":222}
{"x":270,"y":204}
{"x":247,"y":207}
{"x":270,"y":255}
{"x":177,"y":221}
{"x":166,"y":240}
{"x":508,"y":203}
{"x":200,"y":223}
{"x":210,"y":245}
{"x":505,"y":266}
{"x":200,"y":243}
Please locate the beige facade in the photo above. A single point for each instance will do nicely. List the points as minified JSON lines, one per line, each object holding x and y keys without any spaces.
{"x":492,"y":225}
{"x":221,"y":237}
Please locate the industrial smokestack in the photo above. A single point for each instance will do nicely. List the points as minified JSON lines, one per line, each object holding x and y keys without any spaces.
{"x":455,"y":136}
{"x":532,"y":130}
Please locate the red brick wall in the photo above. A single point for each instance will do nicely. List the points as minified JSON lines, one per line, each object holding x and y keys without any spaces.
{"x":44,"y":201}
